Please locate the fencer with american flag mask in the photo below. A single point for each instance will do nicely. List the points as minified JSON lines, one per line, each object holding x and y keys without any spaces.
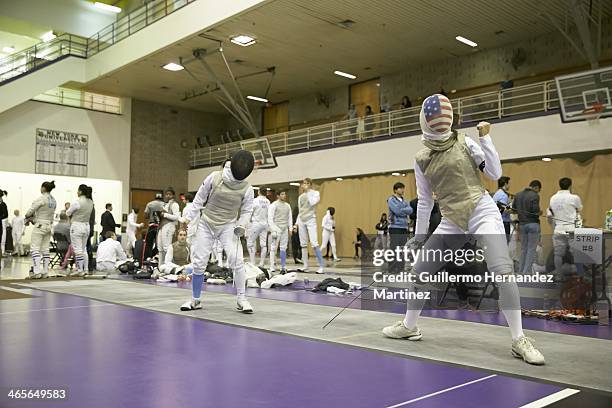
{"x":449,"y":166}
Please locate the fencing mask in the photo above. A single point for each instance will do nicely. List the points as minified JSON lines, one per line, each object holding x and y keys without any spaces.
{"x":436,"y":118}
{"x":241,"y":164}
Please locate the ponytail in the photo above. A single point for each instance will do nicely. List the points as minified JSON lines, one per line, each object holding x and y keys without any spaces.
{"x":85,"y":190}
{"x":48,"y":186}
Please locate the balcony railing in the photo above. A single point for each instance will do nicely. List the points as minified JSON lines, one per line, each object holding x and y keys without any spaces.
{"x":81,"y":99}
{"x":527,"y":99}
{"x":45,"y":53}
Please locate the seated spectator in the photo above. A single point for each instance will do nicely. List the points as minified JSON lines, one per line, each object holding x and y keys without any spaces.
{"x":109,"y":253}
{"x":63,"y":228}
{"x":385,"y":106}
{"x":178,"y":256}
{"x":406,"y":103}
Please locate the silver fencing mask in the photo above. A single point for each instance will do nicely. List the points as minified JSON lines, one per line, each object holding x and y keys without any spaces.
{"x":241,"y":164}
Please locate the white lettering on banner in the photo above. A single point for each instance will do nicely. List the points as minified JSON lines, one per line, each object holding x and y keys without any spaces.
{"x":60,"y":152}
{"x":587,"y":245}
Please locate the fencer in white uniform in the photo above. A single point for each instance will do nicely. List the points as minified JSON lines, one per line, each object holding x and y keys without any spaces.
{"x":178,"y":255}
{"x":307,"y":223}
{"x":130,"y":231}
{"x":18,"y":229}
{"x":329,"y":235}
{"x":224,"y":204}
{"x":280,"y":220}
{"x":170,"y":214}
{"x":109,"y":253}
{"x":258,"y":228}
{"x":449,"y":166}
{"x":79,"y":213}
{"x":3,"y":220}
{"x":41,"y":216}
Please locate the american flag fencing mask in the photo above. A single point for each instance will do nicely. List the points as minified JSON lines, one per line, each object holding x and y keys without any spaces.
{"x":436,"y":117}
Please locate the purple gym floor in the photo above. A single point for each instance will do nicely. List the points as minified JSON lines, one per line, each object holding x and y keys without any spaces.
{"x":296,"y":293}
{"x":109,"y":355}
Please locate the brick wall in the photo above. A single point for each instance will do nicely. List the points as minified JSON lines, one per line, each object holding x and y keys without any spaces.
{"x":157,"y":158}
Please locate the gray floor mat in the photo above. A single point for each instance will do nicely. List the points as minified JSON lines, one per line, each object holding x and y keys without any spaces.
{"x":572,"y":360}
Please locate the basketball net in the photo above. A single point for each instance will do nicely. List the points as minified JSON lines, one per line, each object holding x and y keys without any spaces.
{"x":594,"y":113}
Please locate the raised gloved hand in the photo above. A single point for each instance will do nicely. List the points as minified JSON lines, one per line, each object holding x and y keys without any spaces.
{"x":483,"y":128}
{"x":239,"y":230}
{"x":183,"y":220}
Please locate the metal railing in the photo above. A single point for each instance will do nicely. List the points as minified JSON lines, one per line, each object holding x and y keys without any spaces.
{"x":521,"y":100}
{"x":81,"y":99}
{"x":45,"y":53}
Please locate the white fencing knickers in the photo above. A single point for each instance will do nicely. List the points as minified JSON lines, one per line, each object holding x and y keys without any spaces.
{"x":79,"y":234}
{"x":164,"y":240}
{"x":329,"y":236}
{"x":39,"y":246}
{"x":281,"y":239}
{"x":487,"y":227}
{"x":261,"y":231}
{"x":130,"y":243}
{"x":203,"y":246}
{"x":3,"y":242}
{"x":17,"y":245}
{"x":308,"y":232}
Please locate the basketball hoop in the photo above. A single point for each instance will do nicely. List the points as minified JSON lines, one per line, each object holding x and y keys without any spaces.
{"x":593,"y":113}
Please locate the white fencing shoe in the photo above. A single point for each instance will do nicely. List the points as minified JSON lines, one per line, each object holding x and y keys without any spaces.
{"x":399,"y":331}
{"x":524,"y":348}
{"x":192,"y":304}
{"x":320,"y":271}
{"x":244,"y":306}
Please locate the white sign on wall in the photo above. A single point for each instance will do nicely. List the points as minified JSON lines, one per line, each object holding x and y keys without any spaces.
{"x":587,"y":245}
{"x":62,"y":153}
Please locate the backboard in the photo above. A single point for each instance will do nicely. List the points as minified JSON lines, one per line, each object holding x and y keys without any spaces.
{"x":585,"y":95}
{"x":260,"y":147}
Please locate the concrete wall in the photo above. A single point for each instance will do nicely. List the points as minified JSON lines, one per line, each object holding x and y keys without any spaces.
{"x":108,"y":147}
{"x":157,"y":158}
{"x":534,"y":137}
{"x":543,"y":54}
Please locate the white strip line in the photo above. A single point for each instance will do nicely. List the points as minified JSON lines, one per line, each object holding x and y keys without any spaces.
{"x":401,"y":404}
{"x":55,"y":308}
{"x":552,"y":398}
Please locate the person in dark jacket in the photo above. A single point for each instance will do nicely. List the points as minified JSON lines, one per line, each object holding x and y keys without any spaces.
{"x":382,"y":233}
{"x":434,"y":218}
{"x":108,"y":221}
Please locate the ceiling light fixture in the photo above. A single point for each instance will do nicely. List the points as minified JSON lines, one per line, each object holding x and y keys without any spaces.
{"x":171,"y":66}
{"x":107,"y":7}
{"x":546,"y":159}
{"x":256,"y":98}
{"x":339,"y":179}
{"x":395,"y":174}
{"x":8,"y":50}
{"x":344,"y":74}
{"x":255,"y":188}
{"x":294,"y":184}
{"x":466,"y":41}
{"x":243,"y":40}
{"x":48,"y":36}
